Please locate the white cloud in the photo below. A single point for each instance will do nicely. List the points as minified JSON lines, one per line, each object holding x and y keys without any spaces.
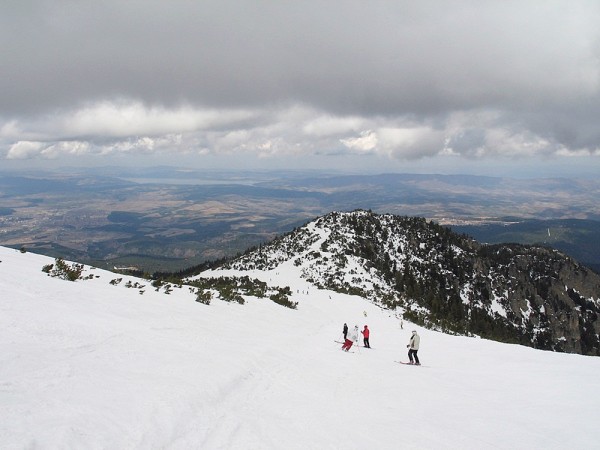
{"x":366,"y":142}
{"x":24,"y":150}
{"x":329,"y":125}
{"x":64,"y":148}
{"x":45,"y":150}
{"x":10,"y":131}
{"x":127,"y":118}
{"x":409,"y":142}
{"x":109,"y":129}
{"x":564,"y":152}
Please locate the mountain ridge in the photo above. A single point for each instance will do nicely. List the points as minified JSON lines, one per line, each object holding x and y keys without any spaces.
{"x":517,"y":293}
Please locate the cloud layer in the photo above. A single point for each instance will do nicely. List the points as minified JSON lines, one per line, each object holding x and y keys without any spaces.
{"x":402,"y":80}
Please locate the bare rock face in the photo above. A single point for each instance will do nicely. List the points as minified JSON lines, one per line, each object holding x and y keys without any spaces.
{"x":551,"y":297}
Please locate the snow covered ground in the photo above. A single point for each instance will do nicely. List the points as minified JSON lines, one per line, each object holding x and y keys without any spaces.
{"x":88,"y":365}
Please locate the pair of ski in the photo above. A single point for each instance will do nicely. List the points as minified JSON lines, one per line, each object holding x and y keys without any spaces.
{"x":408,"y":363}
{"x":361,"y":346}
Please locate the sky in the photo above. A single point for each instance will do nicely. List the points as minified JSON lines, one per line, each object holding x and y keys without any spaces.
{"x":88,"y":364}
{"x":429,"y":86}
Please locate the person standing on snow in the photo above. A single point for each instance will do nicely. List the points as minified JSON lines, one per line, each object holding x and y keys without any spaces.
{"x":413,"y":348}
{"x":345,"y":332}
{"x":351,"y":339}
{"x":365,"y":334}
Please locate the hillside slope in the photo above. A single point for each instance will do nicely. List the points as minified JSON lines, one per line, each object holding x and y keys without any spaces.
{"x":95,"y":365}
{"x":513,"y":293}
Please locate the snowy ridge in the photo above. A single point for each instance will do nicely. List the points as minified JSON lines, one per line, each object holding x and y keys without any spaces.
{"x":320,"y":249}
{"x":94,"y":365}
{"x":515,"y":293}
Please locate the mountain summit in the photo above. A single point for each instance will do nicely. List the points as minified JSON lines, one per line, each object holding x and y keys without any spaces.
{"x":530,"y":295}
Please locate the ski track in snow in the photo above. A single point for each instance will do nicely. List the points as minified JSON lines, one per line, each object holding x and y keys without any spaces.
{"x":94,"y":366}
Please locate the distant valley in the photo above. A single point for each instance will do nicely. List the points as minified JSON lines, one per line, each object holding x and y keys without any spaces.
{"x":169,"y":219}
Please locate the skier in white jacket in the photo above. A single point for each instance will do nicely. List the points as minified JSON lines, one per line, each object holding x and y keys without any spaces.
{"x":351,"y":339}
{"x":413,"y":348}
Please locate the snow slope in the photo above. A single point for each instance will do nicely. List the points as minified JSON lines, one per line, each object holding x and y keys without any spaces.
{"x":89,"y":365}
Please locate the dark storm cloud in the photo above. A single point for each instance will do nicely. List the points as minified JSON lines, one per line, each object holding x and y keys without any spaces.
{"x":456,"y":69}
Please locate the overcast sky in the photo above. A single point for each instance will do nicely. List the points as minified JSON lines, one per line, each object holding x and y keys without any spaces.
{"x":440,"y":86}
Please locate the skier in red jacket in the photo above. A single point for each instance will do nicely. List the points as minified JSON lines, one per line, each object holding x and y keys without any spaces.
{"x":365,"y":334}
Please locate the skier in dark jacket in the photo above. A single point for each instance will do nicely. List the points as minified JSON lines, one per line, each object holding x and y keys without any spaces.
{"x":345,"y":331}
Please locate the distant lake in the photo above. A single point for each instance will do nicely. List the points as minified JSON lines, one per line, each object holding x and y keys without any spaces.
{"x":190,"y":181}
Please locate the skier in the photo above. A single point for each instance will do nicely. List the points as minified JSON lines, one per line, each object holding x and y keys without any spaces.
{"x":365,"y":334}
{"x":345,"y":331}
{"x":351,"y":339}
{"x":413,"y":348}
